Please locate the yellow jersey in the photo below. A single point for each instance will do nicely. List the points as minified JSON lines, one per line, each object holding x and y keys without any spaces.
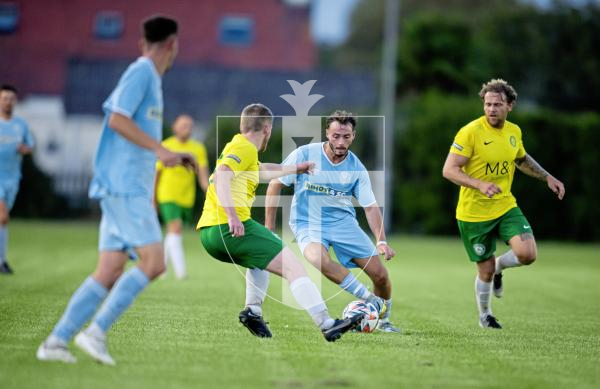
{"x":241,"y":156}
{"x":177,"y":184}
{"x":492,"y":153}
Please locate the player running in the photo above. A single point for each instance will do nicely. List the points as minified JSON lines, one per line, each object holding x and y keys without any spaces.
{"x":322,"y":215}
{"x":15,"y":141}
{"x":123,"y":181}
{"x":229,"y":234}
{"x":482,"y":161}
{"x":175,"y":190}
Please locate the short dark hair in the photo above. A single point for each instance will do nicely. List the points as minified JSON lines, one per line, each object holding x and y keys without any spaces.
{"x":255,"y":117}
{"x":158,"y":28}
{"x":342,"y":117}
{"x":498,"y":85}
{"x":9,"y":88}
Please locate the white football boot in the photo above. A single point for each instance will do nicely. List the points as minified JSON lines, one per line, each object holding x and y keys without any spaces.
{"x":95,"y":347}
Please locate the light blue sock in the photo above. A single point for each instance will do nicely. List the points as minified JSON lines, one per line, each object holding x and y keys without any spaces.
{"x":120,"y":298}
{"x":355,"y":287}
{"x":81,"y":307}
{"x":3,"y":243}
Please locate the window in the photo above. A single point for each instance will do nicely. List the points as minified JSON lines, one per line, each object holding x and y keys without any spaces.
{"x":108,"y":25}
{"x":236,"y":31}
{"x":9,"y":18}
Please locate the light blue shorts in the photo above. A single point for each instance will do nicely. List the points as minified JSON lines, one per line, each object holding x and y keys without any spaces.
{"x":348,"y":240}
{"x":128,"y":222}
{"x":8,"y":193}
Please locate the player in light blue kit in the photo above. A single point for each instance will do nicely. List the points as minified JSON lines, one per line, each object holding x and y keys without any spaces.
{"x":15,"y":141}
{"x":322,"y":216}
{"x":123,"y":181}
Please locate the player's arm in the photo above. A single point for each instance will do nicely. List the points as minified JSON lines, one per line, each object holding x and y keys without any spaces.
{"x":271,"y":171}
{"x":155,"y":191}
{"x":222,"y":181}
{"x":272,"y":203}
{"x":127,"y":128}
{"x":202,"y":175}
{"x":375,"y":220}
{"x":26,"y":147}
{"x":453,"y":171}
{"x":529,"y":166}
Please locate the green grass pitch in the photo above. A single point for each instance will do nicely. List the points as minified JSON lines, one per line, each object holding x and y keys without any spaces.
{"x":186,"y":334}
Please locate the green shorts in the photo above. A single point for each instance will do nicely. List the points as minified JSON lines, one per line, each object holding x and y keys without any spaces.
{"x":479,"y":238}
{"x":173,"y":211}
{"x":256,"y":249}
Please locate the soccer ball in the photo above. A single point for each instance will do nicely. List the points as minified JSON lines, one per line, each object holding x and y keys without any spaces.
{"x":369,"y":322}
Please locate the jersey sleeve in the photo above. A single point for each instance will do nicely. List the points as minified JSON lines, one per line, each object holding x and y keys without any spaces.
{"x":363,"y":190}
{"x":521,"y":151}
{"x":130,"y":91}
{"x":294,"y":158}
{"x":201,"y":158}
{"x":463,"y":143}
{"x":27,"y":136}
{"x":239,"y":157}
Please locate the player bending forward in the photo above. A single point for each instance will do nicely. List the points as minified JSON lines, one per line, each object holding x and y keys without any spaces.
{"x":323,"y":216}
{"x":229,"y":234}
{"x":482,"y":161}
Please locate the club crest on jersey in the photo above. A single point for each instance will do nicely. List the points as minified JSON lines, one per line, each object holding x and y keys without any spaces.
{"x":513,"y":141}
{"x":479,"y":249}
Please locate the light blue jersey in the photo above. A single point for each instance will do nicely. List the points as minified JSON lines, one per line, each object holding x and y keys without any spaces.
{"x":13,"y":133}
{"x":322,"y":210}
{"x":325,"y":198}
{"x":122,"y":168}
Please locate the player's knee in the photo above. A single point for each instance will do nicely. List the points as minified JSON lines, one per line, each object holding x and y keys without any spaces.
{"x":527,"y":257}
{"x":156,"y":270}
{"x":380,"y":278}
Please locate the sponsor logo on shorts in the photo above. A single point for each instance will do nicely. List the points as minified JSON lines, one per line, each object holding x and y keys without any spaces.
{"x":457,"y":146}
{"x":234,"y":157}
{"x":479,"y":249}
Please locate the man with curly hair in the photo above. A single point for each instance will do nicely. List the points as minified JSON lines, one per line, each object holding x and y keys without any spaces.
{"x":482,"y":161}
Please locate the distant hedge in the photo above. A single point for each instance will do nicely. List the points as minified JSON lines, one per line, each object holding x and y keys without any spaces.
{"x":566,"y":144}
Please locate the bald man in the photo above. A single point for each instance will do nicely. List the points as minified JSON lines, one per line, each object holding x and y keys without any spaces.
{"x":175,"y":190}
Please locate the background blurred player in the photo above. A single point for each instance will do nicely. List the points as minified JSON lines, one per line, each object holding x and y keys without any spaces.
{"x":15,"y":141}
{"x":123,"y":181}
{"x":175,"y":190}
{"x":229,"y":234}
{"x":482,"y":161}
{"x":323,"y":216}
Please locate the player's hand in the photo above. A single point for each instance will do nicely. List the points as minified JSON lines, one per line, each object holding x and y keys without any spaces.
{"x":305,"y":167}
{"x":489,"y":189}
{"x":236,"y":227}
{"x":168,"y":158}
{"x":385,"y":250}
{"x":23,"y":149}
{"x":189,"y":162}
{"x":556,"y":186}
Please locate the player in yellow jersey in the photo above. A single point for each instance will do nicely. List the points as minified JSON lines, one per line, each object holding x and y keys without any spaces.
{"x":229,"y":234}
{"x":482,"y":161}
{"x":175,"y":190}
